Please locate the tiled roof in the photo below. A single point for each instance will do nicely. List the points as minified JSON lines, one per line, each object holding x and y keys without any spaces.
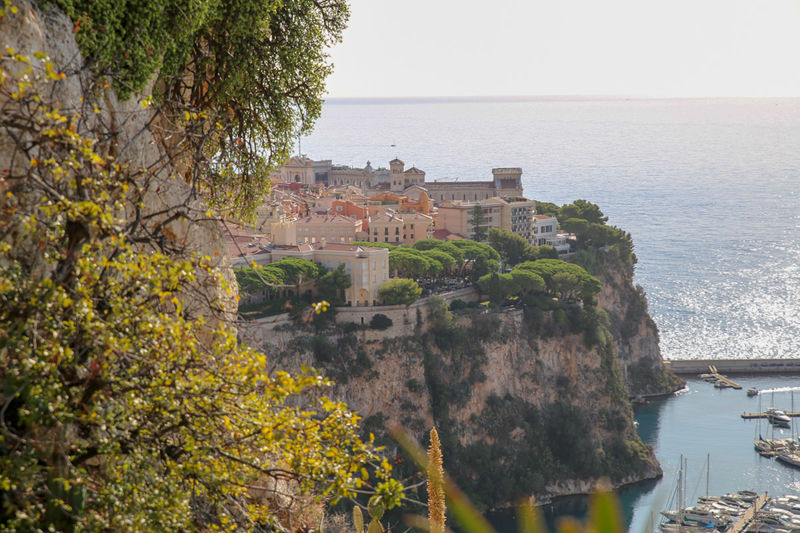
{"x":446,"y":235}
{"x":327,"y":219}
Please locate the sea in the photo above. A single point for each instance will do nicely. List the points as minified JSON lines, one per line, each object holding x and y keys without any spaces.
{"x":710,"y":191}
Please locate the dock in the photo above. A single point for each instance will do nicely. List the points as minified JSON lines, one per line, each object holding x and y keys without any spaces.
{"x":744,"y":521}
{"x":792,"y":414}
{"x":718,"y":379}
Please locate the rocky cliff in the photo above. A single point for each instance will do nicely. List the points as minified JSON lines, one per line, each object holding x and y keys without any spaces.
{"x":171,"y":217}
{"x":524,"y":400}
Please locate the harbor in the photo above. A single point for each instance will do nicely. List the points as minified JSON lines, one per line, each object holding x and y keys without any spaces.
{"x":705,"y":421}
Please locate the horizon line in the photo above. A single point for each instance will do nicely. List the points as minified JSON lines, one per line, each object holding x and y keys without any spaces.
{"x":544,"y":97}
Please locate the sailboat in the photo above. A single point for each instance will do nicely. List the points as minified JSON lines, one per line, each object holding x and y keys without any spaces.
{"x":762,"y":445}
{"x":692,"y":519}
{"x":790,"y":454}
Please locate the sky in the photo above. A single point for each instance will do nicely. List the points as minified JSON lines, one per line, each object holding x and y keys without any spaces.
{"x":670,"y":48}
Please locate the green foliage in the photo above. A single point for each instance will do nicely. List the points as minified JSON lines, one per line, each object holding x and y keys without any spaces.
{"x":247,"y":76}
{"x":366,"y":244}
{"x":498,"y":286}
{"x":528,"y":281}
{"x":123,"y":407}
{"x":458,"y":304}
{"x":331,"y":284}
{"x":584,"y":210}
{"x":439,"y":317}
{"x":473,"y":250}
{"x":546,"y":208}
{"x":512,"y":248}
{"x":427,"y":244}
{"x":565,"y":280}
{"x":447,"y":261}
{"x":399,"y":291}
{"x":380,"y":321}
{"x":414,"y":385}
{"x":296,"y":270}
{"x":578,"y":226}
{"x":411,"y":262}
{"x":452,"y":250}
{"x":478,"y":222}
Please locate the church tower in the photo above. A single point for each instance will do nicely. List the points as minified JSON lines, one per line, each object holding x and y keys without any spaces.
{"x":396,"y":173}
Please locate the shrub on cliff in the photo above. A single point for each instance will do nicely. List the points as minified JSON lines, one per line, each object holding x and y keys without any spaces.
{"x":380,"y":321}
{"x":399,"y":291}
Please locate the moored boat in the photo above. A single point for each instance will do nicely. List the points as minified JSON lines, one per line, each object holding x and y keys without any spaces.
{"x":778,"y":418}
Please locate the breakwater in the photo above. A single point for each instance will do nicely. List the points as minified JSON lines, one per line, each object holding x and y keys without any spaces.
{"x":734,"y":366}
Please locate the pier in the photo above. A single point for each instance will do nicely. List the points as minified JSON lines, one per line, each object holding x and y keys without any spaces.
{"x":792,"y":414}
{"x":718,"y":379}
{"x":734,"y":366}
{"x":744,"y":521}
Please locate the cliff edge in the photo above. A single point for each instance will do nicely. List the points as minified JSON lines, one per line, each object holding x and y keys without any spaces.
{"x":525,"y":401}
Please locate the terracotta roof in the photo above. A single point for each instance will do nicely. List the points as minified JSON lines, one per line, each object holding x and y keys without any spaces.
{"x":241,"y":242}
{"x":396,"y":160}
{"x":542,"y":217}
{"x":325,"y":218}
{"x":413,"y":170}
{"x":447,"y":235}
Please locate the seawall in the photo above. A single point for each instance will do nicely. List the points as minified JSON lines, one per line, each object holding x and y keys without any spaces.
{"x":734,"y":366}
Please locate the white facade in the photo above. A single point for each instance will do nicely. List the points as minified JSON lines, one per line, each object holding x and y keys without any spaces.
{"x":545,"y":228}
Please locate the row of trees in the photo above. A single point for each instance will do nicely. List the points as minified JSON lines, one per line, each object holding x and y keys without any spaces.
{"x":515,"y":249}
{"x":553,"y":277}
{"x":432,"y":258}
{"x":292,"y":272}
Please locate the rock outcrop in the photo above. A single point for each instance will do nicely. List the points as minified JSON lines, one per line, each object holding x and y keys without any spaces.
{"x":522,"y":404}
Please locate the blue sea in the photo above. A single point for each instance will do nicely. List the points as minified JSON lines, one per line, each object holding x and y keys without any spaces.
{"x":710,"y":191}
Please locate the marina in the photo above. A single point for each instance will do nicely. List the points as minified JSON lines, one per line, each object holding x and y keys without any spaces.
{"x":705,"y":420}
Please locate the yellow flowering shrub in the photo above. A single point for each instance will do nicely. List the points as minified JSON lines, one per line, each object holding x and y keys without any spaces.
{"x":118,"y":410}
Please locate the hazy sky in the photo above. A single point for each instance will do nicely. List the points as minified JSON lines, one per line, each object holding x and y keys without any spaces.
{"x":580,"y":47}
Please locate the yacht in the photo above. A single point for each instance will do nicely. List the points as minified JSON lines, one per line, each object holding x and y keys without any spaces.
{"x":791,"y":458}
{"x":778,"y":418}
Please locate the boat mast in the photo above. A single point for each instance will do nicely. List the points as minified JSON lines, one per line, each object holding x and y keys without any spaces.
{"x":680,"y":492}
{"x":708,"y":472}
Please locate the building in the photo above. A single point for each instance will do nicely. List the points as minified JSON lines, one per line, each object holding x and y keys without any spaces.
{"x":368,"y":267}
{"x":400,"y":228}
{"x":545,"y":228}
{"x":517,"y":217}
{"x":350,"y":209}
{"x":357,"y":177}
{"x":298,"y":169}
{"x":402,"y":179}
{"x":513,"y":214}
{"x":380,"y":202}
{"x":507,"y":182}
{"x":331,"y":228}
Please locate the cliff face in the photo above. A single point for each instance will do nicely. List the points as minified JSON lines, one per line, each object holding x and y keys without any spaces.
{"x":126,"y":130}
{"x":523,"y":404}
{"x":634,"y":331}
